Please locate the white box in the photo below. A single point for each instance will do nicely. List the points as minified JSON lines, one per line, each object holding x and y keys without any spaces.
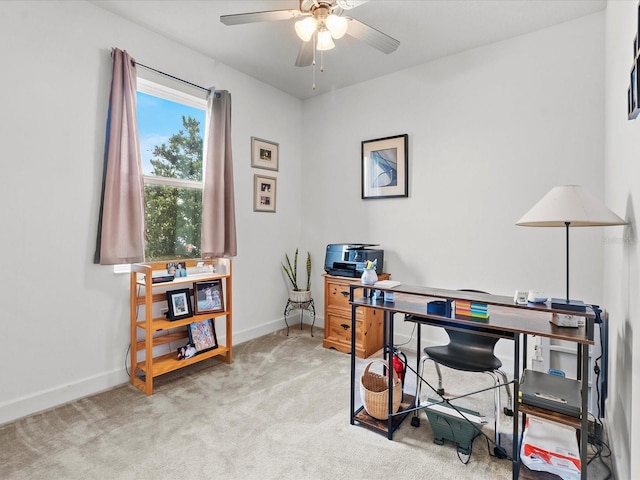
{"x":565,"y":320}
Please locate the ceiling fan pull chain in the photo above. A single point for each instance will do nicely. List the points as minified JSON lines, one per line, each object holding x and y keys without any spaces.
{"x":321,"y":61}
{"x":313,"y":86}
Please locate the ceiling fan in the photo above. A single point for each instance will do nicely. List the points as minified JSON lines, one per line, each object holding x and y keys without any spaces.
{"x":320,"y":21}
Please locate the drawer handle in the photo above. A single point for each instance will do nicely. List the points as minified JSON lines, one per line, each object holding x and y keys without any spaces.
{"x":345,"y":326}
{"x":345,"y":293}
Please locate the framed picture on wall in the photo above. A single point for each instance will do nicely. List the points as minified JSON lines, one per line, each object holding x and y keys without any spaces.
{"x":385,"y":167}
{"x":264,"y":193}
{"x":264,"y":154}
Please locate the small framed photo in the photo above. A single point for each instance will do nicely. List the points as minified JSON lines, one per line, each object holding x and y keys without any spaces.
{"x":385,"y":167}
{"x":264,"y":193}
{"x":187,"y":351}
{"x":179,"y":303}
{"x":208,"y":297}
{"x":202,"y":335}
{"x":264,"y":154}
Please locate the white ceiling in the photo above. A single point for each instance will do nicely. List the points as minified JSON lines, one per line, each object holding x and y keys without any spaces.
{"x":426,"y":29}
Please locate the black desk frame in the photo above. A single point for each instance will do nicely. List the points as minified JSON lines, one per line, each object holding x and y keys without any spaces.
{"x":508,"y":322}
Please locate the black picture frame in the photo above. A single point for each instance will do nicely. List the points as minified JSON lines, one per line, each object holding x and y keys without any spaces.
{"x":385,"y":167}
{"x":202,"y":335}
{"x":179,"y":303}
{"x":208,"y":297}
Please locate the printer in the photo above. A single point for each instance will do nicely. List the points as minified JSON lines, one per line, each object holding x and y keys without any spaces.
{"x":349,"y":259}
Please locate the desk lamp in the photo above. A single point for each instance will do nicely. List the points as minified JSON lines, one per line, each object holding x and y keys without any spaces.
{"x":569,"y":205}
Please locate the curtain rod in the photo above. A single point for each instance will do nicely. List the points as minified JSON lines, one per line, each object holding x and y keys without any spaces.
{"x":173,"y":77}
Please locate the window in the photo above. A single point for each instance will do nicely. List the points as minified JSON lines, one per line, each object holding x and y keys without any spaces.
{"x":171,"y":127}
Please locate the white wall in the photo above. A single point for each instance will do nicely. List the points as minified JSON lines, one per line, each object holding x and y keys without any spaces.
{"x":622,"y":185}
{"x":491,"y":131}
{"x":64,"y":321}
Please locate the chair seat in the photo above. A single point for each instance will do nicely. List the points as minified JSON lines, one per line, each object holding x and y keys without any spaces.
{"x":468,"y":359}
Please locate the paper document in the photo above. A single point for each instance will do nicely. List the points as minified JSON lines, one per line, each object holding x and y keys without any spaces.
{"x":386,"y":284}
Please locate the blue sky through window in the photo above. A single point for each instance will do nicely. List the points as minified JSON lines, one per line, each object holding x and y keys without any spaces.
{"x":158,"y":119}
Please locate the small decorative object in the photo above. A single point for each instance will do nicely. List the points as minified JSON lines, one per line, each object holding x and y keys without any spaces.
{"x":203,"y":335}
{"x":297,"y":294}
{"x":385,"y":167}
{"x":369,"y":275}
{"x":264,"y":193}
{"x":374,"y":391}
{"x":187,"y":351}
{"x":264,"y":154}
{"x":208,"y":297}
{"x":179,"y":303}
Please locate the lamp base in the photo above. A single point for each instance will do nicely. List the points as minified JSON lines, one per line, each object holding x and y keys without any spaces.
{"x":572,"y":305}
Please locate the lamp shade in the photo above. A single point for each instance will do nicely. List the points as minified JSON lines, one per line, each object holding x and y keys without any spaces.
{"x":337,"y":26}
{"x":305,"y":28}
{"x":569,"y":204}
{"x":324,"y":41}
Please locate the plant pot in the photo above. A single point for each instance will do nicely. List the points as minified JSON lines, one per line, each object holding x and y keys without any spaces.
{"x":300,"y":296}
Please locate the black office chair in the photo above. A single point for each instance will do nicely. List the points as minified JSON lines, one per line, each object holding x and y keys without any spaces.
{"x":469,"y":352}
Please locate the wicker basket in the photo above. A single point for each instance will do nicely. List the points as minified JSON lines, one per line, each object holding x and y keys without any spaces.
{"x":374,"y":391}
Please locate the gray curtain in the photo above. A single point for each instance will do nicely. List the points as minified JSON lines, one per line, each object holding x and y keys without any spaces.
{"x":121,"y":222}
{"x":218,"y":205}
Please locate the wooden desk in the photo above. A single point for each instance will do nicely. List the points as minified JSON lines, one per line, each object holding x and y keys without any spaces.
{"x":506,"y":320}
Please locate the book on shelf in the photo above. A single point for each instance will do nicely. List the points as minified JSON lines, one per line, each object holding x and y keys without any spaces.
{"x":386,"y":284}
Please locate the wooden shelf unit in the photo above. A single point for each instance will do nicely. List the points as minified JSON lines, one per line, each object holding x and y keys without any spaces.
{"x":146,"y":324}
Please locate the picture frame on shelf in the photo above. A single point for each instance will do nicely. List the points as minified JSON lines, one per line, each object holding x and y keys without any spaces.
{"x":264,"y":193}
{"x":385,"y":167}
{"x":179,"y":304}
{"x":208,"y":297}
{"x":202,"y":335}
{"x":264,"y":154}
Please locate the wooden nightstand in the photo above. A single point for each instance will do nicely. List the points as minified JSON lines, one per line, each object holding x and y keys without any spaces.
{"x":337,"y":318}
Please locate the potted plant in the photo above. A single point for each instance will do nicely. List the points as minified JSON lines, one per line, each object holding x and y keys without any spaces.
{"x":297,"y":294}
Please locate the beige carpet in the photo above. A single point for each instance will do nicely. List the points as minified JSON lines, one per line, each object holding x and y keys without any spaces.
{"x":280,"y":411}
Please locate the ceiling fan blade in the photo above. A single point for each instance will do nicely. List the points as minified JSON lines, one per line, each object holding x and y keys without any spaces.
{"x":305,"y":54}
{"x":370,"y":35}
{"x":253,"y":17}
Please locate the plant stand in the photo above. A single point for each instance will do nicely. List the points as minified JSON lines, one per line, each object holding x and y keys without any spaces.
{"x":302,"y":306}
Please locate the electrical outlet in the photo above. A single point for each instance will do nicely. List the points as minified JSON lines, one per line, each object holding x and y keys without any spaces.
{"x":164,"y":311}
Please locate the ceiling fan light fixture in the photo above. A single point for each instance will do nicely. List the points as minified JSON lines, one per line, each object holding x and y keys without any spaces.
{"x":336,"y":25}
{"x":305,"y":28}
{"x":325,"y":42}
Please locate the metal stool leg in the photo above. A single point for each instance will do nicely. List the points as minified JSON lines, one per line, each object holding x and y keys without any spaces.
{"x":508,"y":409}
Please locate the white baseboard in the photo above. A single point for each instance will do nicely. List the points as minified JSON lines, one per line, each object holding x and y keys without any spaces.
{"x":54,"y":397}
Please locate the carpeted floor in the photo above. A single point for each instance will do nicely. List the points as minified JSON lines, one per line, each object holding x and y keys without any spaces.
{"x":280,"y":411}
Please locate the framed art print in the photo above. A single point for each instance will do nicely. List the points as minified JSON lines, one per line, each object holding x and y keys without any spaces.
{"x":264,"y":193}
{"x":385,"y":167}
{"x":179,"y":303}
{"x":208,"y":297}
{"x":264,"y":154}
{"x":202,"y":335}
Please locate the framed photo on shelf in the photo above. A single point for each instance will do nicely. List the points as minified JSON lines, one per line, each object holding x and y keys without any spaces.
{"x":385,"y":167}
{"x":179,"y":303}
{"x":202,"y":335}
{"x":264,"y":193}
{"x":264,"y":154}
{"x":207,"y":297}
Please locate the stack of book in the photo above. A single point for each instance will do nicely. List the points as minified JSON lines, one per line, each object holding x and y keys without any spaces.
{"x":472,"y":309}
